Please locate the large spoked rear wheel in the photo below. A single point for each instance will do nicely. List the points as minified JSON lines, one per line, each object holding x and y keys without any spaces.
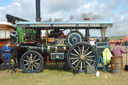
{"x":31,"y":62}
{"x":80,"y":55}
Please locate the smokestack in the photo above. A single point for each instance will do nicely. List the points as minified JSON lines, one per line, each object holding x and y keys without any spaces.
{"x":38,"y":19}
{"x":87,"y":35}
{"x":86,"y":18}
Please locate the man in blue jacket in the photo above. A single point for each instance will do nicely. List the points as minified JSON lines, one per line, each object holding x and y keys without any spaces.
{"x":7,"y":53}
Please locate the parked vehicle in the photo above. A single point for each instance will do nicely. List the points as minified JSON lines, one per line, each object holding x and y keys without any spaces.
{"x":73,"y":48}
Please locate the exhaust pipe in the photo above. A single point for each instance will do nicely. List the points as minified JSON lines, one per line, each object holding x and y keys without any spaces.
{"x":87,"y":35}
{"x":38,"y":19}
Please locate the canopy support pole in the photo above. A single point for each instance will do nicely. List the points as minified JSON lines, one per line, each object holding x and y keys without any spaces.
{"x":46,"y":36}
{"x":103,"y":33}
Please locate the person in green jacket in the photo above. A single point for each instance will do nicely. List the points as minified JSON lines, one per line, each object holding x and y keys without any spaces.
{"x":107,"y":57}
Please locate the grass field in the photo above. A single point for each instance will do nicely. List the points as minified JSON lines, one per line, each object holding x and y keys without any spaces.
{"x":51,"y":76}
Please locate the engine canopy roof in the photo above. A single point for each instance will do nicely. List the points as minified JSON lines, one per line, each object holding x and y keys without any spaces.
{"x":66,"y":25}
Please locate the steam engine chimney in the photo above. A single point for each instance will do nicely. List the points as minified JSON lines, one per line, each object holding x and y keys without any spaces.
{"x":87,"y":35}
{"x":38,"y":19}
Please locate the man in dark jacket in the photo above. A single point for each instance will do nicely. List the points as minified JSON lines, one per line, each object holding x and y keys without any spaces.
{"x":15,"y":53}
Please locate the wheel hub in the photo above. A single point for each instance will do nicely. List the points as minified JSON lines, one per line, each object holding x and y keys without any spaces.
{"x":31,"y":62}
{"x":82,"y":57}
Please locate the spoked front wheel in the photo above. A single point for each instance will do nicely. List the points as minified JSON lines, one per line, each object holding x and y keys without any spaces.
{"x":31,"y":62}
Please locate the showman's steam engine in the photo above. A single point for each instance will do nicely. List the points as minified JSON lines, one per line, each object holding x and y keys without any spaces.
{"x":73,"y":49}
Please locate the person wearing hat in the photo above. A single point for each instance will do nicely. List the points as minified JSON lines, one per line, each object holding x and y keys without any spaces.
{"x":7,"y":53}
{"x":107,"y":56}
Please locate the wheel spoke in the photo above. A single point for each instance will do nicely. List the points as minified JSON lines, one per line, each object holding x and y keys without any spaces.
{"x":26,"y":64}
{"x":79,"y":49}
{"x":76,"y":51}
{"x":34,"y":57}
{"x":36,"y":60}
{"x":78,"y":63}
{"x":90,"y":60}
{"x":88,"y":53}
{"x":88,"y":63}
{"x":31,"y":56}
{"x":74,"y":54}
{"x":28,"y":58}
{"x":89,"y":56}
{"x":35,"y":66}
{"x":75,"y":61}
{"x":32,"y":67}
{"x":84,"y":64}
{"x":26,"y":61}
{"x":83,"y":50}
{"x":81,"y":66}
{"x":74,"y":58}
{"x":37,"y":63}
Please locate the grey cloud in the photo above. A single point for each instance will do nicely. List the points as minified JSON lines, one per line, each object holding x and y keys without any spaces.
{"x":61,"y":5}
{"x":113,"y":3}
{"x":11,"y":9}
{"x":79,"y":9}
{"x":119,"y":27}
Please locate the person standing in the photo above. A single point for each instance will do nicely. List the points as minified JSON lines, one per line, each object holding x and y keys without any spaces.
{"x":106,"y":56}
{"x":15,"y":54}
{"x":118,"y":50}
{"x":7,"y":53}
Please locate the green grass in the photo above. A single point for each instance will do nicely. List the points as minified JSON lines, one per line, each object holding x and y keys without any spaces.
{"x":51,"y":76}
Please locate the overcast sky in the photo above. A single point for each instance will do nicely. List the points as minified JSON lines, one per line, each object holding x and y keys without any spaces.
{"x":74,"y":10}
